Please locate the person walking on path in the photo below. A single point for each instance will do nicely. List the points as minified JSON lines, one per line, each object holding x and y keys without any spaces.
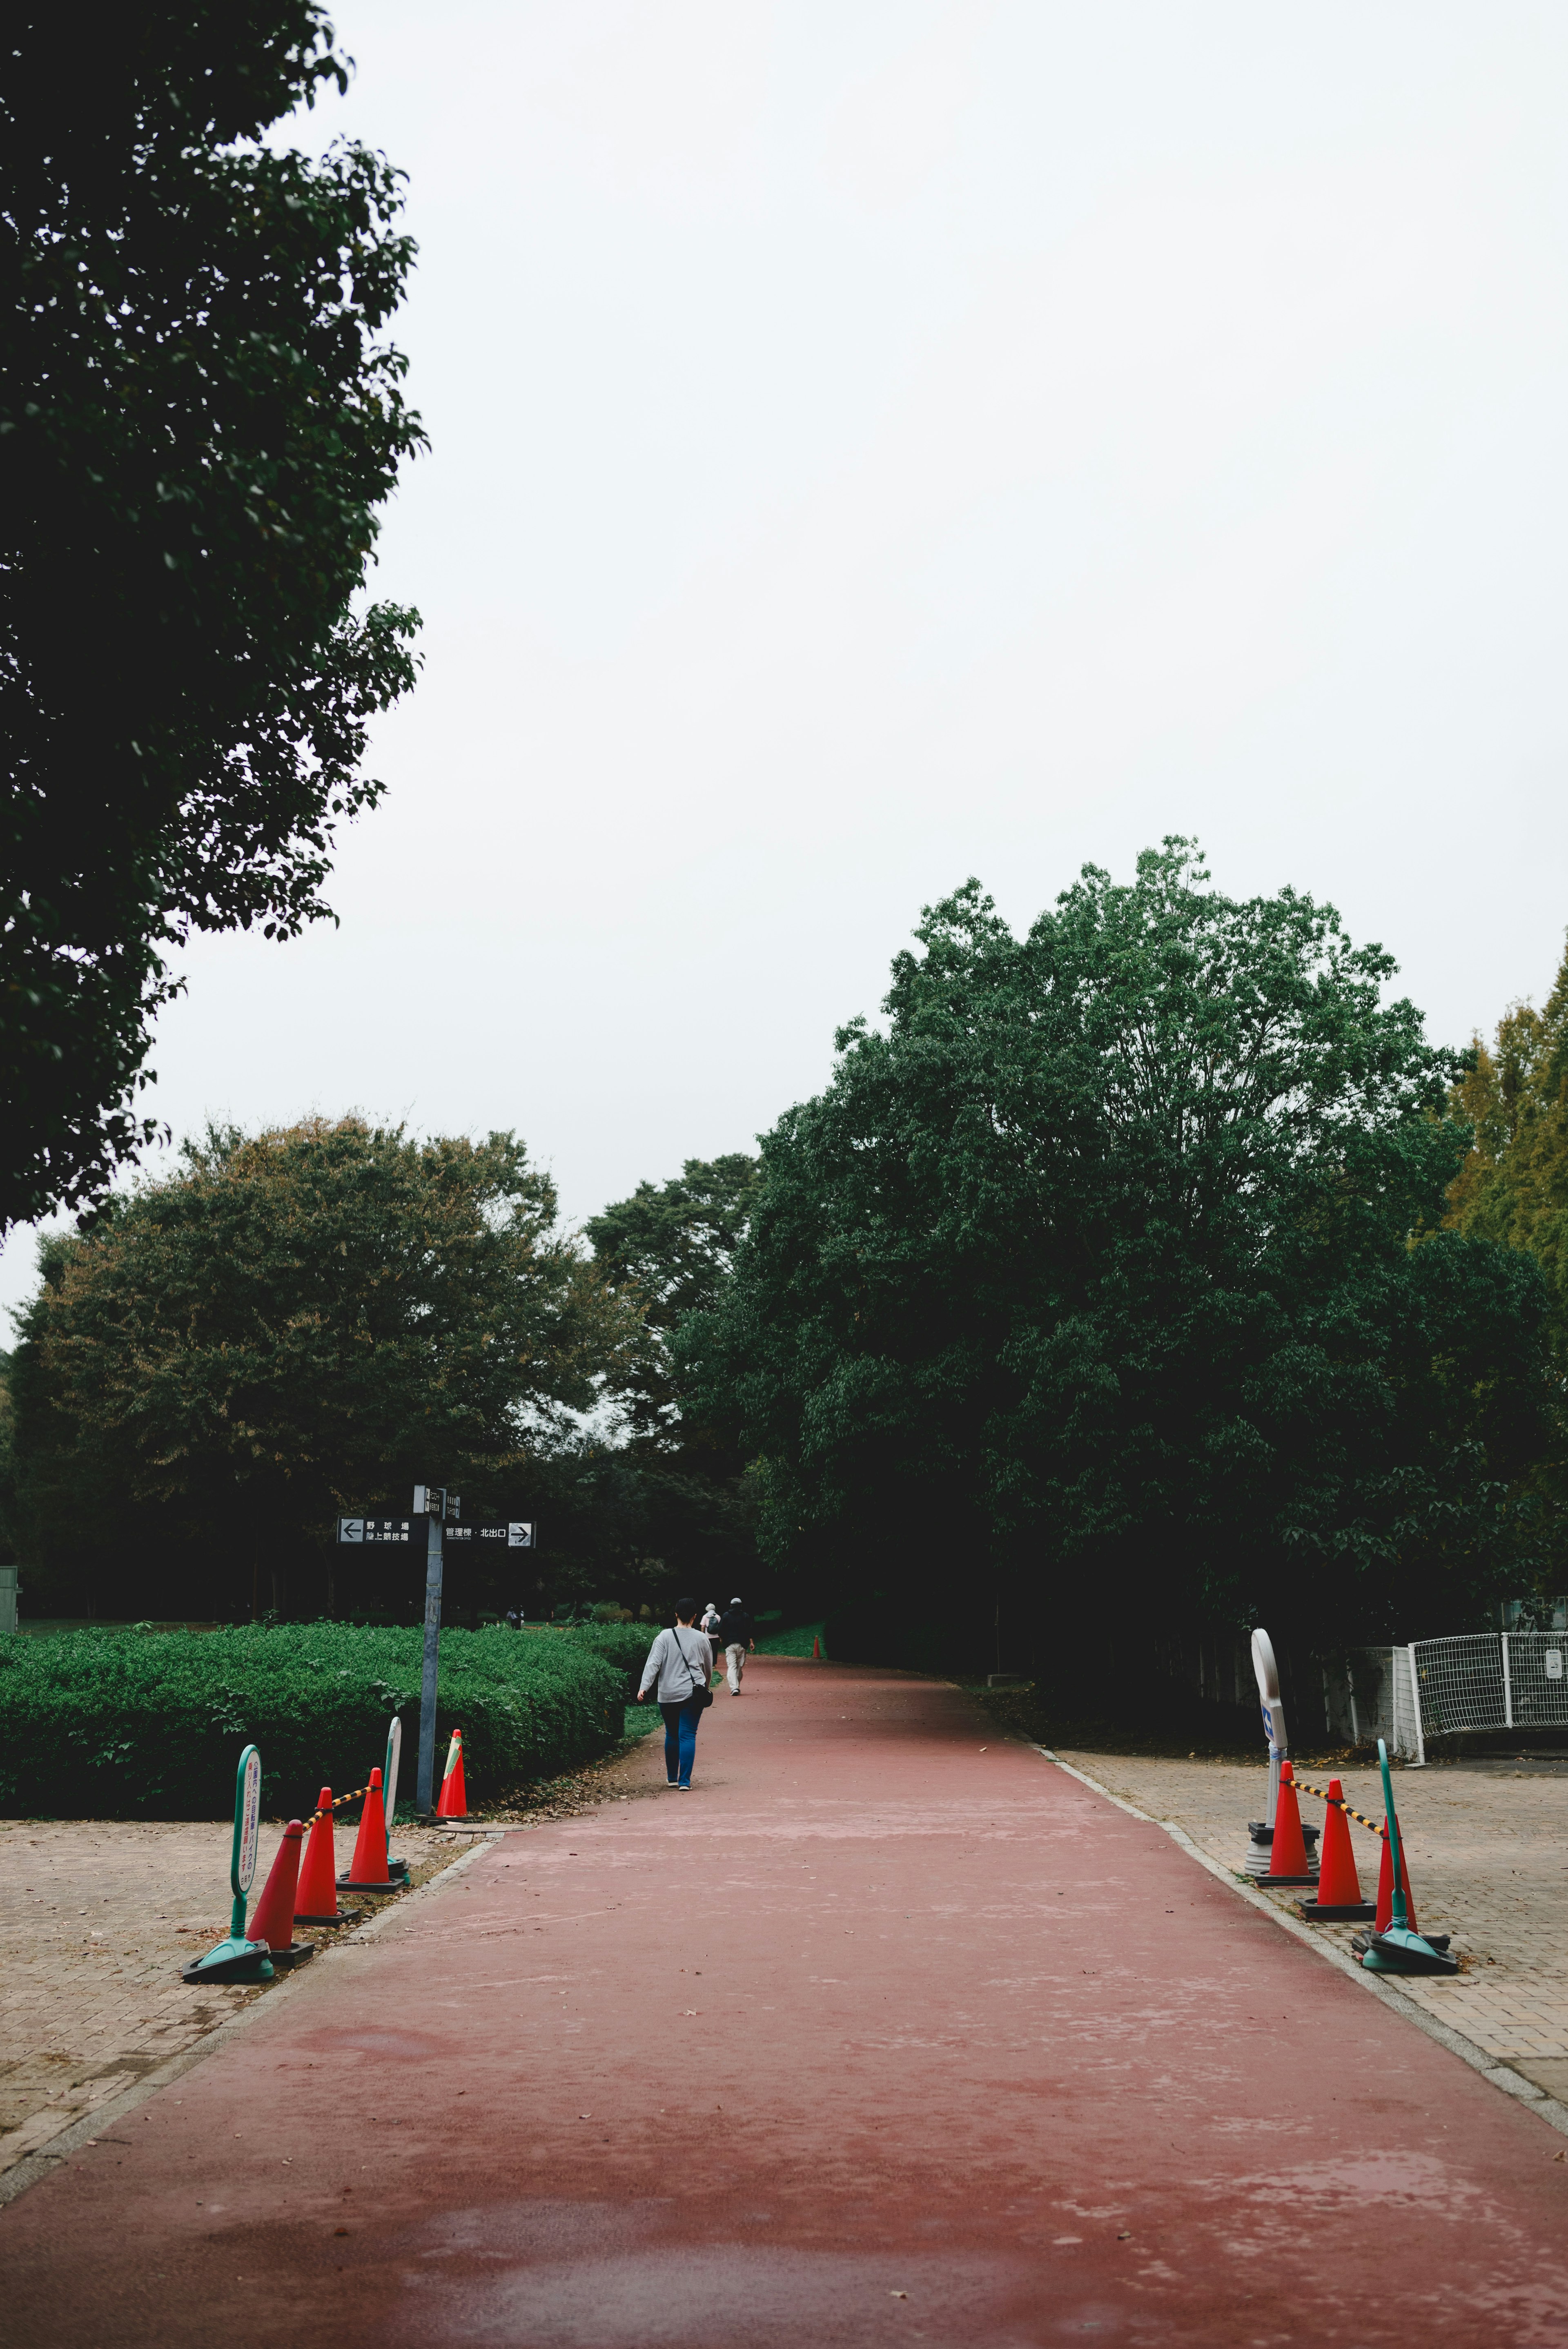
{"x":736,"y":1637}
{"x":681,"y":1662}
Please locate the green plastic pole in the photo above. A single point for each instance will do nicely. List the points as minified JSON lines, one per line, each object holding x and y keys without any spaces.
{"x":1399,"y":1917}
{"x":239,"y":1958}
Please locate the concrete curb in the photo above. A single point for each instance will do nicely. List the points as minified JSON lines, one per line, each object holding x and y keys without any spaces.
{"x":41,"y":2161}
{"x":1382,"y":1986}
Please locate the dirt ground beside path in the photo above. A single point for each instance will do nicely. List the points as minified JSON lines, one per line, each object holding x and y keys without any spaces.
{"x":890,"y":2031}
{"x":97,"y":1918}
{"x":1488,"y":1850}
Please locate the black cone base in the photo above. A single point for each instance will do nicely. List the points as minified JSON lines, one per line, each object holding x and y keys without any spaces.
{"x":1324,"y":1912}
{"x":1362,"y":1942}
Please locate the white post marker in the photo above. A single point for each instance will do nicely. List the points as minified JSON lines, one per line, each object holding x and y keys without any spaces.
{"x":390,"y":1785}
{"x":1267,"y":1671}
{"x":389,"y":1769}
{"x":247,"y":1832}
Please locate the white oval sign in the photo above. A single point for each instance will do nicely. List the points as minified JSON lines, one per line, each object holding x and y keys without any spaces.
{"x":389,"y":1774}
{"x":248,"y":1823}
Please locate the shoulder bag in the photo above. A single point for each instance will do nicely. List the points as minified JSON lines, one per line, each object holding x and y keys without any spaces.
{"x":701,"y":1690}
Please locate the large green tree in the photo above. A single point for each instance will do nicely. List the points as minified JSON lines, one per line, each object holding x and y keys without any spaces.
{"x":672,"y":1247}
{"x":1513,"y":1186}
{"x":1092,"y":1282}
{"x":679,"y":1488}
{"x":199,"y":419}
{"x":1512,"y":1104}
{"x":300,"y":1324}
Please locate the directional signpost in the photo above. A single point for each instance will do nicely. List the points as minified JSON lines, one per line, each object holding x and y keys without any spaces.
{"x":439,"y":1512}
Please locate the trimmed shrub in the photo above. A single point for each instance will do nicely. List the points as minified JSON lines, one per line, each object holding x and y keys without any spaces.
{"x":128,"y":1724}
{"x":625,"y":1645}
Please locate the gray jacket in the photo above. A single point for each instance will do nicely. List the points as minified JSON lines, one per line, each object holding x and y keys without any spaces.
{"x":682,"y":1661}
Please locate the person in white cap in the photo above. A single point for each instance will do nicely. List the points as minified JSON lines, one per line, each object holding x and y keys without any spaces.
{"x":737,"y":1638}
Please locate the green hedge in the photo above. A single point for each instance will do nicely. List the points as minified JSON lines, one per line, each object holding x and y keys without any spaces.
{"x":625,"y":1645}
{"x":128,"y":1724}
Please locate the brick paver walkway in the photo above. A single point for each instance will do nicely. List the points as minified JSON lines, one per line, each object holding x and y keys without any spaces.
{"x":1487,"y":1856}
{"x":96,"y":1921}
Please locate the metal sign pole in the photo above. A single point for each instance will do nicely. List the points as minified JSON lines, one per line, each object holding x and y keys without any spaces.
{"x":433,"y":1560}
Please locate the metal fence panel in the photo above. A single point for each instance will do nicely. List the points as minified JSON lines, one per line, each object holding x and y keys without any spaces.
{"x":1409,"y":1727}
{"x":1537,"y":1663}
{"x":1460,"y":1683}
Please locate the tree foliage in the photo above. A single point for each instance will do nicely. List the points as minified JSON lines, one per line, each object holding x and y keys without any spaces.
{"x":1091,"y":1280}
{"x":1513,"y":1186}
{"x":1512,"y":1104}
{"x":198,"y":423}
{"x":671,"y":1246}
{"x":300,"y":1324}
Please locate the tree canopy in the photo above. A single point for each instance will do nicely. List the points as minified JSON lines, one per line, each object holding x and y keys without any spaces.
{"x":1513,"y":1186}
{"x":1097,"y":1279}
{"x":198,"y":423}
{"x":305,"y":1323}
{"x":672,"y":1247}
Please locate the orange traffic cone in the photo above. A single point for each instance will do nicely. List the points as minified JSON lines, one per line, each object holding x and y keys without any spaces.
{"x":368,"y":1871}
{"x":316,"y":1896}
{"x":1287,"y":1853}
{"x":1338,"y":1898}
{"x":816,"y":1649}
{"x":273,"y":1920}
{"x":453,"y":1802}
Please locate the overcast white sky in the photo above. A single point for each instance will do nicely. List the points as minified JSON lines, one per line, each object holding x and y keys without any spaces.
{"x":877,"y":443}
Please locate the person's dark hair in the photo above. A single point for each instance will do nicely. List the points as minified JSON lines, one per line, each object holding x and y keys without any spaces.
{"x":685,"y":1608}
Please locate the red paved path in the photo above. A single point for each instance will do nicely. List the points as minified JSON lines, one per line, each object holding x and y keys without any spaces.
{"x":874,"y":2012}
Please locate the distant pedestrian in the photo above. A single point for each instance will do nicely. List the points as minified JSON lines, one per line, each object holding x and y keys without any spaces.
{"x":708,"y":1627}
{"x":681,"y":1661}
{"x":736,"y":1637}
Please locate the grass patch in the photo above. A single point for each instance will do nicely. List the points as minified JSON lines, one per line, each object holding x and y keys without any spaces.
{"x":1166,"y":1724}
{"x":795,"y":1642}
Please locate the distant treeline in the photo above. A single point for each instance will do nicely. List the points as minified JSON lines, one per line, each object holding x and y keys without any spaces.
{"x":1151,"y":1265}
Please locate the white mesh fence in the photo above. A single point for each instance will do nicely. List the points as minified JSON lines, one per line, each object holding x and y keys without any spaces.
{"x":1479,"y":1680}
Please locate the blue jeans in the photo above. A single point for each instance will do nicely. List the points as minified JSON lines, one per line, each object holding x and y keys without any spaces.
{"x":680,"y":1737}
